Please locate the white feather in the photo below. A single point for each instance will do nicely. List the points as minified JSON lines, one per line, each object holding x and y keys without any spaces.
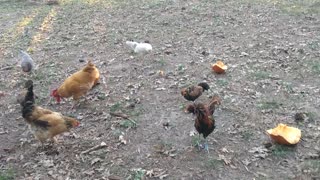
{"x":131,"y":44}
{"x":139,"y":47}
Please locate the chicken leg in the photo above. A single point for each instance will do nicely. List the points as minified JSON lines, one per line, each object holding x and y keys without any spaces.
{"x":75,"y":103}
{"x":198,"y":142}
{"x":206,"y":146}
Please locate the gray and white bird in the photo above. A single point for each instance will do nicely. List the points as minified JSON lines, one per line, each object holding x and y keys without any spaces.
{"x":27,"y":63}
{"x":139,"y":47}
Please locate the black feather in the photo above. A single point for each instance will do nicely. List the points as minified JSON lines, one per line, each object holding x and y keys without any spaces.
{"x":28,"y":103}
{"x":41,"y":123}
{"x":205,"y":123}
{"x":204,"y":85}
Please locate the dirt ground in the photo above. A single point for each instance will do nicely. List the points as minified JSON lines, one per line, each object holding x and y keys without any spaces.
{"x":272,"y":49}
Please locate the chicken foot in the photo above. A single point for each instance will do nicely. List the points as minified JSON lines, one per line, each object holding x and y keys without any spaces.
{"x":75,"y":103}
{"x":203,"y":145}
{"x":198,"y":143}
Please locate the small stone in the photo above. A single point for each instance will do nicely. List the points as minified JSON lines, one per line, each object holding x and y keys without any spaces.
{"x":95,"y":160}
{"x":114,"y":177}
{"x":205,"y":53}
{"x":151,"y":73}
{"x":166,"y":124}
{"x":168,"y":52}
{"x":244,"y":54}
{"x":267,"y":145}
{"x":299,"y":117}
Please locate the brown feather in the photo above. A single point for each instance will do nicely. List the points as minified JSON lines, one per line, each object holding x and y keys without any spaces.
{"x":79,"y":83}
{"x":204,"y":122}
{"x":193,"y":92}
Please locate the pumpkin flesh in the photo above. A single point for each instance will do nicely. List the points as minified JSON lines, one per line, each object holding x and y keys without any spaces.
{"x":219,"y":67}
{"x":284,"y":134}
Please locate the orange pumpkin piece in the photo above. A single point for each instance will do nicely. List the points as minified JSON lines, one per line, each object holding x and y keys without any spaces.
{"x":219,"y":67}
{"x":284,"y":134}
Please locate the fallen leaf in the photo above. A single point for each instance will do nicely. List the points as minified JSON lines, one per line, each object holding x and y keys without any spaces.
{"x":227,"y":161}
{"x":95,"y":160}
{"x":192,"y":133}
{"x":122,"y":140}
{"x":114,"y":177}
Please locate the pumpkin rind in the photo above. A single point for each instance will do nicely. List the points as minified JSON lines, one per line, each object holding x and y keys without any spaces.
{"x":284,"y":134}
{"x":219,"y":67}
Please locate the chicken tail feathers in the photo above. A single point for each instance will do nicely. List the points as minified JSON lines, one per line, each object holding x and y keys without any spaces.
{"x":204,"y":85}
{"x":28,"y":103}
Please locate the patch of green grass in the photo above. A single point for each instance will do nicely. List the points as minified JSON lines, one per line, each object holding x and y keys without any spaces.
{"x":315,"y":67}
{"x":69,"y":114}
{"x":196,"y":9}
{"x":6,"y":174}
{"x":288,"y":87}
{"x":12,"y":6}
{"x":195,"y":140}
{"x":222,"y":82}
{"x":102,"y":96}
{"x":282,"y":150}
{"x":117,"y":170}
{"x":138,"y":174}
{"x":164,"y":144}
{"x":260,"y":75}
{"x":315,"y":163}
{"x":290,"y":6}
{"x":247,"y":135}
{"x":39,"y":75}
{"x":311,"y":115}
{"x":269,"y":105}
{"x":155,"y":3}
{"x":136,"y":112}
{"x":180,"y":67}
{"x":128,"y":124}
{"x":162,"y":62}
{"x":14,"y":37}
{"x":314,"y":45}
{"x":213,"y":163}
{"x":298,"y":7}
{"x":182,"y":106}
{"x":262,"y":178}
{"x":115,"y":107}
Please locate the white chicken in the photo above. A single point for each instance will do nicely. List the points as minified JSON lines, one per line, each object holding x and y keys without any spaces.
{"x":139,"y":47}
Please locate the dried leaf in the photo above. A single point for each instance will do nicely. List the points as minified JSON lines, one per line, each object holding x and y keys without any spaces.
{"x":95,"y":160}
{"x":122,"y":140}
{"x":226,"y":161}
{"x":192,"y":133}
